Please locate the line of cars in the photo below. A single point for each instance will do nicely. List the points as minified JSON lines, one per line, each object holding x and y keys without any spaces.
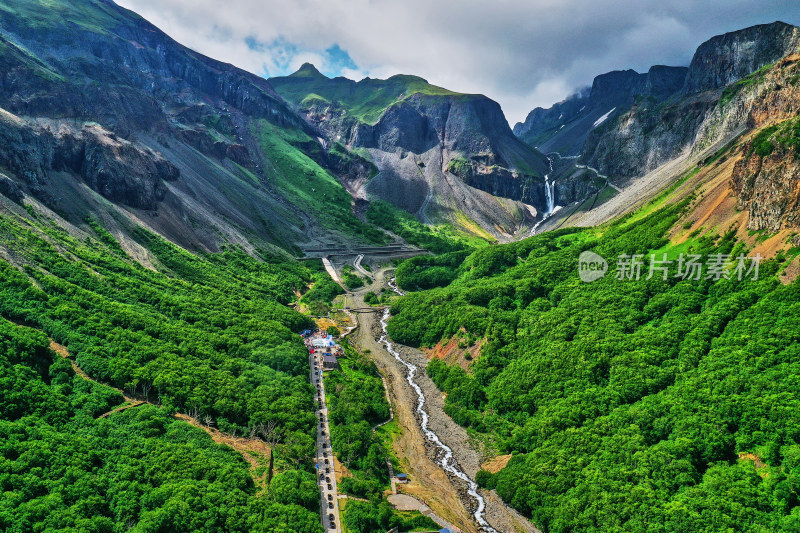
{"x":326,"y":476}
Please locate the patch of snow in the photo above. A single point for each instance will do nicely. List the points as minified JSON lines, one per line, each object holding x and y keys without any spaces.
{"x":603,"y":118}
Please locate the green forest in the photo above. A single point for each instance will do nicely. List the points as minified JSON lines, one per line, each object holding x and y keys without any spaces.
{"x":209,"y":335}
{"x":645,"y":405}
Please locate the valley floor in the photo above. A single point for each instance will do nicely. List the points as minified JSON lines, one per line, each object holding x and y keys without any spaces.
{"x":428,"y":482}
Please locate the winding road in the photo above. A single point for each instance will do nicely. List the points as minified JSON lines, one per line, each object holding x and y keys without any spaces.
{"x":361,"y":269}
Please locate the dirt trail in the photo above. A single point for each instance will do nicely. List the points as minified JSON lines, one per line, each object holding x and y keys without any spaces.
{"x":134,"y":403}
{"x":255,"y":451}
{"x":428,"y":482}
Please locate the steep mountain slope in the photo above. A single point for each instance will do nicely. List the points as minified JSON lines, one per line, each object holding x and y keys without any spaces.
{"x":677,"y":390}
{"x":433,"y":148}
{"x":100,"y":106}
{"x":564,"y":127}
{"x":649,"y":141}
{"x":577,"y":125}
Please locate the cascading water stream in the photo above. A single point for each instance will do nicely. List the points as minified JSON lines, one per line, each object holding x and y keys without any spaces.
{"x":549,"y":190}
{"x":549,"y":197}
{"x":446,"y":453}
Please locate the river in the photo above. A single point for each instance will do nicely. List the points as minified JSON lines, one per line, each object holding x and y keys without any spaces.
{"x":445,"y":453}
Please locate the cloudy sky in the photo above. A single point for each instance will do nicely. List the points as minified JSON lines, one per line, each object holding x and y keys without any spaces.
{"x":521,"y":53}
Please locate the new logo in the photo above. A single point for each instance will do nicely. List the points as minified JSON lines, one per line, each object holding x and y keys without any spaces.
{"x":591,"y":266}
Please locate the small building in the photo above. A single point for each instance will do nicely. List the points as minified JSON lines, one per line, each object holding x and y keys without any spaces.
{"x":329,"y":362}
{"x":324,"y":342}
{"x":402,"y":478}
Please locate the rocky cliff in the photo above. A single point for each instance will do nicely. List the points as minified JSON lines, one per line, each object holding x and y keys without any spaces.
{"x":647,"y":136}
{"x":407,"y":115}
{"x":768,"y":187}
{"x":727,"y":58}
{"x":119,"y":170}
{"x":564,"y":127}
{"x":631,"y":123}
{"x":91,"y":90}
{"x":766,"y":178}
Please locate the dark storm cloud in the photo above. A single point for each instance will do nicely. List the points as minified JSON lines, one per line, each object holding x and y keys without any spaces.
{"x":523,"y":54}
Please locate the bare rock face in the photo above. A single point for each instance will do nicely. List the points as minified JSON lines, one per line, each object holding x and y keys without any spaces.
{"x":769,"y":188}
{"x":122,"y":171}
{"x":565,"y":126}
{"x":118,"y":169}
{"x":640,"y":140}
{"x":10,"y":189}
{"x":726,"y":58}
{"x":408,"y":115}
{"x":401,"y":126}
{"x":630,"y":123}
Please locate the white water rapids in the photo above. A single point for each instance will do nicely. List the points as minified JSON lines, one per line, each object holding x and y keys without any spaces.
{"x":446,"y":459}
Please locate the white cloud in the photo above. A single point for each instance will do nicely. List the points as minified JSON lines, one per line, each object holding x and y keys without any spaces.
{"x":520,"y":53}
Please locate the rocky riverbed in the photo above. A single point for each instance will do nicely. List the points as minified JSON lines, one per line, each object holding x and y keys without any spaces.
{"x":466,"y":454}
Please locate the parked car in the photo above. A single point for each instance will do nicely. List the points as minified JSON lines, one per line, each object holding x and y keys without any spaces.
{"x":330,"y":487}
{"x":330,"y":505}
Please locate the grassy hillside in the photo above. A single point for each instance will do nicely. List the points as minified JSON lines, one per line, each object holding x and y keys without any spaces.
{"x":46,"y":14}
{"x":305,"y":184}
{"x":628,"y":405}
{"x":365,"y":100}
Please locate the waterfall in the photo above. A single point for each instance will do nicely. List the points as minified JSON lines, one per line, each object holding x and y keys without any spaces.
{"x":549,"y":197}
{"x":549,"y":190}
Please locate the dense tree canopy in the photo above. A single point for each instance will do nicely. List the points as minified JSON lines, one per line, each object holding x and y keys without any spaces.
{"x":62,"y":468}
{"x":628,"y":405}
{"x":357,"y":403}
{"x":208,"y":335}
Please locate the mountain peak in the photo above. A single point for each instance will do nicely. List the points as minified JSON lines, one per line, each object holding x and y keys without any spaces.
{"x":307,"y":70}
{"x":726,"y":58}
{"x":407,"y":78}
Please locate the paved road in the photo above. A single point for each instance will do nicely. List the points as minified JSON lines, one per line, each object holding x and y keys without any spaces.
{"x":357,"y":264}
{"x":331,"y":271}
{"x":326,"y":479}
{"x":602,"y":176}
